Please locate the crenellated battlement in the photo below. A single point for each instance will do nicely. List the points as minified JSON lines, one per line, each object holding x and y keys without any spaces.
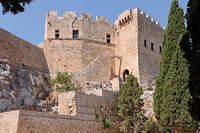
{"x":128,"y":16}
{"x":148,"y":17}
{"x":83,"y":17}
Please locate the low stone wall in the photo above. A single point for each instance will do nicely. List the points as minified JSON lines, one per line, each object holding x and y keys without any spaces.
{"x":37,"y":122}
{"x":9,"y":122}
{"x":93,"y":106}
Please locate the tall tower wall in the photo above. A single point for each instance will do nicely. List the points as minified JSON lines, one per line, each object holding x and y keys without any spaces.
{"x":127,"y":42}
{"x":150,"y":42}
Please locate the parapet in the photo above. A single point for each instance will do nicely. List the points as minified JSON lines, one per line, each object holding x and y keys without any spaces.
{"x":149,"y":17}
{"x":84,"y":16}
{"x":127,"y":16}
{"x":69,"y":14}
{"x":52,"y":13}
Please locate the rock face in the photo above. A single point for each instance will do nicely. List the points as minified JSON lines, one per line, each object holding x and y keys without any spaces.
{"x":21,"y":87}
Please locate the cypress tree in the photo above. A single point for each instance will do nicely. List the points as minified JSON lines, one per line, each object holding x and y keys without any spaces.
{"x":177,"y":93}
{"x":174,"y":30}
{"x":130,"y":106}
{"x":193,"y":27}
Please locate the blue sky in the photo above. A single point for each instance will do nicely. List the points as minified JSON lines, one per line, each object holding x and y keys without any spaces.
{"x":30,"y":24}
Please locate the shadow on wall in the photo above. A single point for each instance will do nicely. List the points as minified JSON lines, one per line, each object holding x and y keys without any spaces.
{"x":24,"y":74}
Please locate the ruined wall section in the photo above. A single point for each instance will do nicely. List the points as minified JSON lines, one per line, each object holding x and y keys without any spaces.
{"x":88,"y":28}
{"x":151,"y":33}
{"x":94,"y":105}
{"x":127,"y":41}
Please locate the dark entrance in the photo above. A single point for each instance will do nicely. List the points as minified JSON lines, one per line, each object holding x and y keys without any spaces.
{"x":125,"y":74}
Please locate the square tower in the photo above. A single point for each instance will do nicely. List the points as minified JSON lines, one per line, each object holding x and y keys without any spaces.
{"x":139,"y":42}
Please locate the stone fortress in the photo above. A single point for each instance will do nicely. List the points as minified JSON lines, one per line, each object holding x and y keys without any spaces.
{"x":96,"y":51}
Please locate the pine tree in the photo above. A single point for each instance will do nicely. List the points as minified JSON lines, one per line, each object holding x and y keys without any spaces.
{"x":174,"y":29}
{"x":130,"y":106}
{"x":193,"y":23}
{"x":177,"y":93}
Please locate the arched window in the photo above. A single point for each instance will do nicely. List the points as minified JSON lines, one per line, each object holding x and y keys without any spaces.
{"x":125,"y":74}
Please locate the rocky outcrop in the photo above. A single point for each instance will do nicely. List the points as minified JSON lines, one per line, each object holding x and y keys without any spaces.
{"x":21,"y":87}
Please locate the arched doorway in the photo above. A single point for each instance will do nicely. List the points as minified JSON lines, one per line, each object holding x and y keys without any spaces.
{"x":125,"y":74}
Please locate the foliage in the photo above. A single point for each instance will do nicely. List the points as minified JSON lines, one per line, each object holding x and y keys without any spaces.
{"x":151,"y":126}
{"x":177,"y":92}
{"x":174,"y":30}
{"x":193,"y":28}
{"x":106,"y":122}
{"x":63,"y":82}
{"x":14,"y":6}
{"x":130,"y":106}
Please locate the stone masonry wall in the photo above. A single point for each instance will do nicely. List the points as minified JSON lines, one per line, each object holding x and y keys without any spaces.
{"x":20,"y":52}
{"x":9,"y":122}
{"x":35,"y":122}
{"x":93,"y":106}
{"x":73,"y":55}
{"x":99,"y":70}
{"x":88,"y":28}
{"x":23,"y":74}
{"x":127,"y":41}
{"x":149,"y":30}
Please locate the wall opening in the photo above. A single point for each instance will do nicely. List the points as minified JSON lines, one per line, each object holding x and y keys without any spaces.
{"x":22,"y":102}
{"x":152,"y":46}
{"x":57,"y":34}
{"x":145,"y":43}
{"x":75,"y":34}
{"x":125,"y":74}
{"x":108,"y":39}
{"x":160,"y":49}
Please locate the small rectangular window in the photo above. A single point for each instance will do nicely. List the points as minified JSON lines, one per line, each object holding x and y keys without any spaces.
{"x":152,"y":46}
{"x":22,"y":102}
{"x":108,"y":39}
{"x":118,"y":33}
{"x":75,"y":34}
{"x":160,"y":48}
{"x":57,"y":34}
{"x":145,"y":43}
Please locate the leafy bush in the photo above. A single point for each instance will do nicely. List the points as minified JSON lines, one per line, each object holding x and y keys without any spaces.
{"x":63,"y":82}
{"x":106,"y":122}
{"x":151,"y":126}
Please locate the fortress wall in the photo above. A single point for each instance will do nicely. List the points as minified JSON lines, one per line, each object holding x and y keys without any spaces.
{"x":20,"y":52}
{"x":149,"y":30}
{"x":23,"y":74}
{"x":94,"y":101}
{"x":88,"y":28}
{"x":92,"y":106}
{"x":74,"y":55}
{"x":52,"y":123}
{"x":9,"y":122}
{"x":127,"y":41}
{"x":63,"y":55}
{"x":99,"y":70}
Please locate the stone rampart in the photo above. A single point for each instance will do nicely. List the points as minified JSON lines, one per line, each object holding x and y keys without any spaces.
{"x":23,"y":73}
{"x":21,"y":52}
{"x":73,"y":55}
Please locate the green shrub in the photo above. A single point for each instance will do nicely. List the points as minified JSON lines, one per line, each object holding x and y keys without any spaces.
{"x":63,"y":82}
{"x":106,"y":122}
